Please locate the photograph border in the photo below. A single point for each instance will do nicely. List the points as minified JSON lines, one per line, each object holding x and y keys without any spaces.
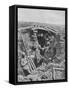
{"x":16,"y":42}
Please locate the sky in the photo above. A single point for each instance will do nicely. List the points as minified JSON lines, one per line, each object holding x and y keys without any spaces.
{"x":43,"y":16}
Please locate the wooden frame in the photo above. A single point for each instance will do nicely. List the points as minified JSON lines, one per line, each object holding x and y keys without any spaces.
{"x":13,"y":43}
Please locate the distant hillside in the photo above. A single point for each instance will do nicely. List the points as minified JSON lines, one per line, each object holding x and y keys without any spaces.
{"x":58,"y":28}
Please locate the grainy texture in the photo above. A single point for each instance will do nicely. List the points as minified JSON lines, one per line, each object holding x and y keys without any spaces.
{"x":41,"y":51}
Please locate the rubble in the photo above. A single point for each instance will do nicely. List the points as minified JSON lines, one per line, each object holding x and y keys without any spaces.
{"x":40,"y":54}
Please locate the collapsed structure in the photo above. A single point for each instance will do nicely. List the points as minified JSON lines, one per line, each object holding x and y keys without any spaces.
{"x":40,"y":54}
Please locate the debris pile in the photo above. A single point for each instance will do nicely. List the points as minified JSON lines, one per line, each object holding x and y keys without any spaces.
{"x":41,"y":54}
